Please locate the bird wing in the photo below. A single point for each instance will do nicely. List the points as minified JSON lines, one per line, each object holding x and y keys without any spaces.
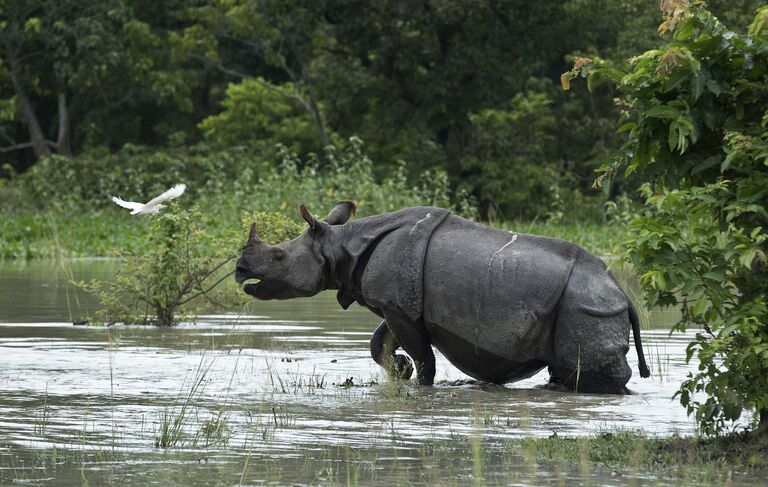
{"x":172,"y":193}
{"x":131,"y":205}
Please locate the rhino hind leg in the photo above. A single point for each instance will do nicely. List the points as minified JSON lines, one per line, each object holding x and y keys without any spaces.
{"x":590,"y":353}
{"x":383,"y":346}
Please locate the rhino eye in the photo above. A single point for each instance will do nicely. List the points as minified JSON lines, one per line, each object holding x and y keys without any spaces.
{"x":278,"y":254}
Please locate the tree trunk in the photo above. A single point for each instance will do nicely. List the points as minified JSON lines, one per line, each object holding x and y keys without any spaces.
{"x":315,"y":111}
{"x":39,"y":144}
{"x":62,"y":142}
{"x":762,"y":426}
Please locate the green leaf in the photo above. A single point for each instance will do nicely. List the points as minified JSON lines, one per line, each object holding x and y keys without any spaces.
{"x":673,"y":138}
{"x":714,"y":87}
{"x":700,"y":306}
{"x":714,"y":276}
{"x":663,"y":112}
{"x":706,"y":164}
{"x":697,"y":86}
{"x":626,"y":127}
{"x":731,"y":411}
{"x":757,"y":25}
{"x":685,"y":30}
{"x":728,"y":160}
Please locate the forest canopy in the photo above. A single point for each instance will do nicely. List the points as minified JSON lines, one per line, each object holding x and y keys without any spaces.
{"x":470,"y":89}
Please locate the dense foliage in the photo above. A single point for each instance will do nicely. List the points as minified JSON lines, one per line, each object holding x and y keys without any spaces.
{"x":74,"y":197}
{"x":469,"y":87}
{"x":697,"y":119}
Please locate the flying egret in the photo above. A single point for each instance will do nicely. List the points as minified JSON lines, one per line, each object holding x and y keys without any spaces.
{"x":153,"y":205}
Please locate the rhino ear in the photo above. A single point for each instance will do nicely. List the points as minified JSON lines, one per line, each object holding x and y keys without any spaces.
{"x":314,"y":224}
{"x":341,"y":213}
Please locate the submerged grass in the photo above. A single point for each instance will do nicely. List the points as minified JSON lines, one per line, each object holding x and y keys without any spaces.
{"x":685,"y":457}
{"x":472,"y":457}
{"x":175,"y":421}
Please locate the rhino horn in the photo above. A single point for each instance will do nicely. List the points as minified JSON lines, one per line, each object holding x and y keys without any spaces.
{"x":253,"y":238}
{"x":341,"y":212}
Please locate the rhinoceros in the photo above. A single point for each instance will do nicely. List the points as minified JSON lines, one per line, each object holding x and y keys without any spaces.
{"x":499,"y":305}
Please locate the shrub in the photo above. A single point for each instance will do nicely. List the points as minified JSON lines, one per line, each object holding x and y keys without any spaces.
{"x":90,"y":179}
{"x":76,"y":192}
{"x":320,"y":181}
{"x":178,"y":273}
{"x":697,"y":127}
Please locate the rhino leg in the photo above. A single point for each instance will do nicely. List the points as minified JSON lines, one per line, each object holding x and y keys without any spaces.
{"x":383,"y":346}
{"x":414,"y":339}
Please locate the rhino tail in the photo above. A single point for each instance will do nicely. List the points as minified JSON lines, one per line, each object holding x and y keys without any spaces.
{"x":635,"y":320}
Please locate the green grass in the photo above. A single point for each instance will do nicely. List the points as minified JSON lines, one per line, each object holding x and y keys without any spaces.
{"x":673,"y":455}
{"x":90,"y":234}
{"x":598,"y":238}
{"x":98,"y":233}
{"x":461,"y":459}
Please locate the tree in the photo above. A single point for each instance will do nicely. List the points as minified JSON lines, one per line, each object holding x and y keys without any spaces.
{"x":511,"y":157}
{"x":697,"y":125}
{"x":70,"y":61}
{"x":270,"y":42}
{"x":260,"y":118}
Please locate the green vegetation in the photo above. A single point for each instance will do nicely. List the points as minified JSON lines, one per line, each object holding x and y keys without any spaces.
{"x":124,"y":96}
{"x":170,"y":279}
{"x":111,"y":232}
{"x":695,"y":112}
{"x":259,"y":106}
{"x":74,"y":198}
{"x":181,"y":270}
{"x":605,"y":455}
{"x":685,"y":457}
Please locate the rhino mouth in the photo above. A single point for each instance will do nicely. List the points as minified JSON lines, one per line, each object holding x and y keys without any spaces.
{"x":252,"y":288}
{"x":263,"y":287}
{"x":266,"y":289}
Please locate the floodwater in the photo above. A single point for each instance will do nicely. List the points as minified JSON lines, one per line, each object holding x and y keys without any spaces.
{"x":281,"y":393}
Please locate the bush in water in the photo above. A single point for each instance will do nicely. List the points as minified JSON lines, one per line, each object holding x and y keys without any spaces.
{"x":180,"y":272}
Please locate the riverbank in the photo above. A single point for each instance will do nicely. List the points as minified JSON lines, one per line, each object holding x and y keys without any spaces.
{"x":708,"y":460}
{"x":99,"y":233}
{"x":618,"y":458}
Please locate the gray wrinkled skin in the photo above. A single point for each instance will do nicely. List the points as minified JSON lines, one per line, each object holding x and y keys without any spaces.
{"x":499,"y":305}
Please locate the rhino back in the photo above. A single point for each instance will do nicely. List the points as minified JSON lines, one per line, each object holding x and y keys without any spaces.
{"x":490,"y":297}
{"x":393,"y":262}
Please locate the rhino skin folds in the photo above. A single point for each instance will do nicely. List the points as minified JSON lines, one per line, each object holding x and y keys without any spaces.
{"x":499,"y":305}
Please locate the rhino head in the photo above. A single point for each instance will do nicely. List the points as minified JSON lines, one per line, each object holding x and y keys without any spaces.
{"x":291,"y":269}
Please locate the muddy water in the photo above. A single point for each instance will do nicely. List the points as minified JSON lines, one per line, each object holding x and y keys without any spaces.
{"x":281,"y":393}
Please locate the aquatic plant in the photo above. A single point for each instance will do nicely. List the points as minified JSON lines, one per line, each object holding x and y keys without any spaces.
{"x":214,"y":431}
{"x":175,"y":420}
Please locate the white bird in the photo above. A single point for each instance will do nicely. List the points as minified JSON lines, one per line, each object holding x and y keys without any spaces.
{"x":153,"y":205}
